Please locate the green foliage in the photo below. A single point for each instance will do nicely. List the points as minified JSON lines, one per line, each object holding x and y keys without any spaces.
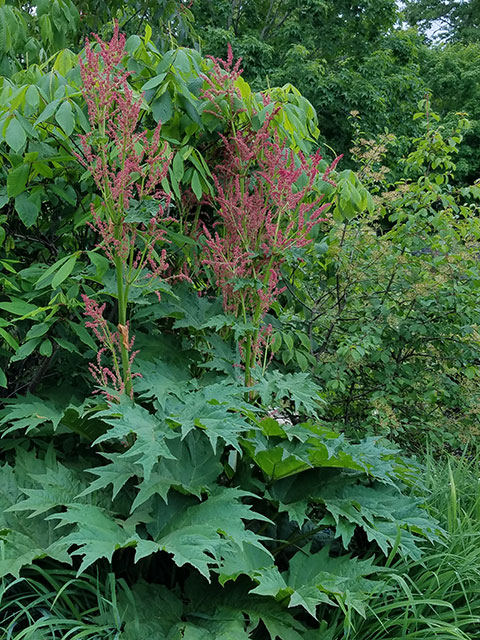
{"x":51,"y":602}
{"x":385,"y":311}
{"x":45,"y":31}
{"x":236,"y":511}
{"x":341,"y":55}
{"x":440,"y":593}
{"x":449,"y":20}
{"x":451,"y":72}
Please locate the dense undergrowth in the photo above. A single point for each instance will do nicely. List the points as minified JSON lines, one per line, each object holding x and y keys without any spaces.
{"x":220,"y":350}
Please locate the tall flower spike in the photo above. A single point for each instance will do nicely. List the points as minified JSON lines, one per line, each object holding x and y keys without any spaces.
{"x":267,"y":204}
{"x":125,"y":163}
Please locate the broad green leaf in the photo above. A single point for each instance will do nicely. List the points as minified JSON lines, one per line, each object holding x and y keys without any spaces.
{"x":65,"y":61}
{"x":164,"y":612}
{"x":228,"y":601}
{"x":318,"y":578}
{"x":17,"y":307}
{"x":27,"y":208}
{"x":64,"y":271}
{"x":154,"y":82}
{"x":56,"y":487}
{"x":23,"y":540}
{"x":28,"y":412}
{"x":218,"y":420}
{"x":97,"y":534}
{"x":38,"y":330}
{"x":299,"y":387}
{"x":132,"y":44}
{"x":117,"y":473}
{"x":64,"y":117}
{"x":194,"y":470}
{"x":17,"y":180}
{"x":199,"y":534}
{"x":15,"y":135}
{"x":151,"y":434}
{"x":161,"y":378}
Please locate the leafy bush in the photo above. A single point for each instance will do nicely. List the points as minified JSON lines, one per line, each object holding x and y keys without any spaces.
{"x":385,"y":311}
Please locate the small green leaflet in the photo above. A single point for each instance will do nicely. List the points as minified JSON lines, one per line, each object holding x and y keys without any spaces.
{"x":25,"y":349}
{"x":197,"y":185}
{"x":64,"y":271}
{"x":162,"y":108}
{"x":9,"y":339}
{"x":153,"y":82}
{"x":58,"y":272}
{"x":27,"y":208}
{"x":48,"y":111}
{"x":17,"y":180}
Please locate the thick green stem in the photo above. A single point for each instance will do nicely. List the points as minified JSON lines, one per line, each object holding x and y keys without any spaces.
{"x":122,"y":322}
{"x":248,"y":356}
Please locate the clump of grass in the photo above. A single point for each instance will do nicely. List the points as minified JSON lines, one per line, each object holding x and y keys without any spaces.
{"x":54,"y":604}
{"x":439,"y":595}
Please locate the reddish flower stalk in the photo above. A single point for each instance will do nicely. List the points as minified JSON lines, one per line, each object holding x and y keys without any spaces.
{"x":221,"y":84}
{"x":268,"y":203}
{"x":124,"y":163}
{"x":110,"y":380}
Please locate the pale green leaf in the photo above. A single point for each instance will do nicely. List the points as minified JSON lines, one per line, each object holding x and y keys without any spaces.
{"x":15,"y":135}
{"x":64,"y":117}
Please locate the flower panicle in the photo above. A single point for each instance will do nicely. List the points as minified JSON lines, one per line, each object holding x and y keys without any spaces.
{"x":110,"y":380}
{"x":220,"y":83}
{"x":267,"y":202}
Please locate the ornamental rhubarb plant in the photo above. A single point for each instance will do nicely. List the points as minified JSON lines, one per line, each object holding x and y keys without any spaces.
{"x":267,"y":201}
{"x":125,"y":163}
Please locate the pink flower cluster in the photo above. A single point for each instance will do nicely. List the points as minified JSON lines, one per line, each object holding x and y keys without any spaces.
{"x":118,"y":156}
{"x":111,"y":381}
{"x":267,"y":204}
{"x":221,"y":84}
{"x":123,"y":162}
